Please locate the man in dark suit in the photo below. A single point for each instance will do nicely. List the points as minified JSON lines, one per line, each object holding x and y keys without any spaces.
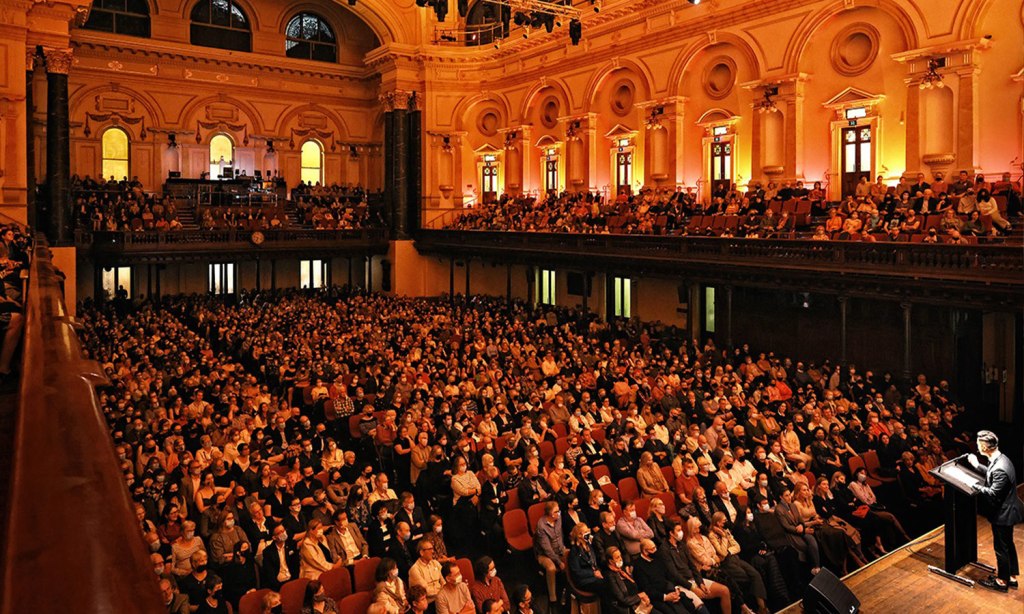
{"x":1002,"y":507}
{"x":279,"y":560}
{"x":653,"y":578}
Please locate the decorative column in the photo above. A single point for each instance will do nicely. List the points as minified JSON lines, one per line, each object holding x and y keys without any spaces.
{"x":514,"y":155}
{"x":58,"y":145}
{"x":791,"y":97}
{"x":396,"y":161}
{"x":906,"y":307}
{"x":30,"y":141}
{"x":414,"y":204}
{"x":843,"y":300}
{"x":728,"y":317}
{"x":967,"y":118}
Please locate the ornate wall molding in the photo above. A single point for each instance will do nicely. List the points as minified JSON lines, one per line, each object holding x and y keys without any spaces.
{"x":58,"y":60}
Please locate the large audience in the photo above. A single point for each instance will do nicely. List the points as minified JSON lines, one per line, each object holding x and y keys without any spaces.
{"x":111,"y":205}
{"x":940,"y":211}
{"x":294,"y":437}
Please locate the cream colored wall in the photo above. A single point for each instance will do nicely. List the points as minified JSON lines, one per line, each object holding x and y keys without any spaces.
{"x":150,"y":87}
{"x":665,"y":50}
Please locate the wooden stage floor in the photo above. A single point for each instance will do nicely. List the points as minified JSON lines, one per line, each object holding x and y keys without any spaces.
{"x":901,"y":583}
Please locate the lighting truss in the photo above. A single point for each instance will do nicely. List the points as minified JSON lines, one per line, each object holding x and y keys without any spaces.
{"x":544,"y":7}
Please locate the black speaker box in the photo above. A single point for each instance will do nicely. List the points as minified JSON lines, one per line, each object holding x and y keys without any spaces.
{"x":828,"y":595}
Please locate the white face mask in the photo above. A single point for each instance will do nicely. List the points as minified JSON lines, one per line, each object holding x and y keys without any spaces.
{"x":632,"y":515}
{"x":750,"y":516}
{"x":492,"y":573}
{"x":438,"y":529}
{"x":679,"y":536}
{"x":618,"y":564}
{"x":862,"y":478}
{"x":229,"y":523}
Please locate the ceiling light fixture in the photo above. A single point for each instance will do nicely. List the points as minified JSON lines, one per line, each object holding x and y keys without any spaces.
{"x":932,"y":78}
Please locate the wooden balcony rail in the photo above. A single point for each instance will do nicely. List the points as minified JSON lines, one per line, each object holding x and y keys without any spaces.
{"x":973,"y":263}
{"x":72,"y":541}
{"x":107,"y":242}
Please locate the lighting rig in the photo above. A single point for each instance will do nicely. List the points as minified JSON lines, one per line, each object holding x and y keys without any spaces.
{"x":529,"y":15}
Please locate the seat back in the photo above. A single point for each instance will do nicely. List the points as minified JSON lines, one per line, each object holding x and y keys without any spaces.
{"x":517,"y":532}
{"x":337,"y":583}
{"x":628,"y":489}
{"x":292,"y":593}
{"x":364,"y":574}
{"x":547,"y":451}
{"x":534,"y":513}
{"x":466,"y":567}
{"x":252,"y":603}
{"x":601,"y":471}
{"x":612,"y":492}
{"x":670,"y":503}
{"x":561,"y":445}
{"x":356,"y":603}
{"x":513,"y":500}
{"x":643,"y":507}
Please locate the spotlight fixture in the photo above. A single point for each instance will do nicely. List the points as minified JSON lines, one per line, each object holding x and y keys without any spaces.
{"x":575,"y":31}
{"x":597,"y":5}
{"x":932,"y":78}
{"x":694,"y":2}
{"x":351,"y":2}
{"x":441,"y":9}
{"x":463,"y":6}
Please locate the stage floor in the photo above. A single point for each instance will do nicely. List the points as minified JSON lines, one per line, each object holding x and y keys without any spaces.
{"x":901,"y":583}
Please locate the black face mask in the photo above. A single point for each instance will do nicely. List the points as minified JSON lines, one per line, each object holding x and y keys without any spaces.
{"x":200,"y":568}
{"x":277,"y":609}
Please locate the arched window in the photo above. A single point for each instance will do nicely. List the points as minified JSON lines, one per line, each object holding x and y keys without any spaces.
{"x":222,"y":154}
{"x":484,"y":24}
{"x":129,"y":17}
{"x":115,"y":153}
{"x":312,"y":163}
{"x":308,"y":37}
{"x":222,"y":24}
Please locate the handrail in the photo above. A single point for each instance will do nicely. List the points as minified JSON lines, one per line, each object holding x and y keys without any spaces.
{"x":154,"y":238}
{"x":968,"y":262}
{"x":72,"y":541}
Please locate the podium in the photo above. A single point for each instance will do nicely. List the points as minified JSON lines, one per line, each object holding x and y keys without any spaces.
{"x":961,"y":517}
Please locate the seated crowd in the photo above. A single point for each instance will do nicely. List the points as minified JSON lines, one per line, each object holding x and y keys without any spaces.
{"x":266,"y":217}
{"x":335,"y":207}
{"x":112,"y":205}
{"x":299,"y":437}
{"x":929,"y":213}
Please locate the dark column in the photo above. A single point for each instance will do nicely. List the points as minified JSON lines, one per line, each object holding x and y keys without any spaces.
{"x":586,"y":288}
{"x":508,"y":284}
{"x":451,"y":280}
{"x":349,"y":271}
{"x":156,"y":272}
{"x":330,"y":272}
{"x":466,"y":296}
{"x":415,"y":165}
{"x":842,"y":329}
{"x":273,"y":274}
{"x":97,"y":282}
{"x":30,"y":141}
{"x":149,"y":281}
{"x":369,"y":273}
{"x":258,"y":282}
{"x":728,"y":317}
{"x":396,"y":161}
{"x":58,"y":146}
{"x":906,"y":307}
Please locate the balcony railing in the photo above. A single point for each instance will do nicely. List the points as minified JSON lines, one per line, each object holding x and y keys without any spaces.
{"x":112,"y":243}
{"x":974,"y":263}
{"x":72,"y":543}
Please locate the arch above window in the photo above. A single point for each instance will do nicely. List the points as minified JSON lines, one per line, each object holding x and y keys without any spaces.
{"x":116,"y":154}
{"x":129,"y":17}
{"x":308,"y":36}
{"x":222,"y":24}
{"x":222,"y":154}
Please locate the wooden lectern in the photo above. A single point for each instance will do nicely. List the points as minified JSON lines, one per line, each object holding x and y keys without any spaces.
{"x":961,"y":516}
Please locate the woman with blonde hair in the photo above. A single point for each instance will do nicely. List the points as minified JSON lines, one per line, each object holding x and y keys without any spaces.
{"x":831,"y":540}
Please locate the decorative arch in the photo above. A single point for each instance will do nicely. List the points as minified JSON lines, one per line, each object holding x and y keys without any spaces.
{"x":717,"y":115}
{"x":970,"y":14}
{"x":336,"y":122}
{"x":386,"y":20}
{"x":193,"y":112}
{"x":558,"y":87}
{"x":801,"y":37}
{"x":500,"y":101}
{"x":84,"y":100}
{"x":687,"y":56}
{"x":601,"y":75}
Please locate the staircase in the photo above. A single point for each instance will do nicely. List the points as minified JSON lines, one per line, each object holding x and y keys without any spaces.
{"x":187,"y":215}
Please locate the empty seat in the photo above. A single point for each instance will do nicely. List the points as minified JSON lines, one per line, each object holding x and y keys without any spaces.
{"x":628,"y":489}
{"x":357,"y":603}
{"x":517,"y":532}
{"x":364,"y":574}
{"x":292,"y":594}
{"x":337,"y":583}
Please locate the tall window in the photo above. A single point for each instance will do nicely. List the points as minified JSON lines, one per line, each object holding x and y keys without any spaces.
{"x":115,"y":153}
{"x":129,"y":17}
{"x":312,"y":163}
{"x":222,"y":154}
{"x":709,"y":309}
{"x":622,"y":297}
{"x":546,"y":287}
{"x":117,"y":279}
{"x":312,"y":273}
{"x":221,"y":24}
{"x":308,"y":37}
{"x":222,"y":278}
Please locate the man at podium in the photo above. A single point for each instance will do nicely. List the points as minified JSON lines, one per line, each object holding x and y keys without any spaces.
{"x":1002,"y":507}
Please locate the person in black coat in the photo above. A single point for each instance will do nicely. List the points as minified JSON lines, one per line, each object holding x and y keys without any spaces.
{"x":622,"y":596}
{"x":584,"y":567}
{"x":399,"y":551}
{"x":270,"y":566}
{"x":675,"y":558}
{"x":1003,"y":508}
{"x":606,"y":537}
{"x":652,"y":577}
{"x":239,"y":575}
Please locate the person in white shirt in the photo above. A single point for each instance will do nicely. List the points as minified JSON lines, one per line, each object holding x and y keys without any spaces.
{"x":426,"y":572}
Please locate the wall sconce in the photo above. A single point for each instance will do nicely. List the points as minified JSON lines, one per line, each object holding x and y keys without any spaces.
{"x":767,"y":103}
{"x":446,"y":144}
{"x":932,"y":78}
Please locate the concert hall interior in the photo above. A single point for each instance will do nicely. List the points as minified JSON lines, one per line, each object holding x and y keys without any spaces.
{"x":511,"y":306}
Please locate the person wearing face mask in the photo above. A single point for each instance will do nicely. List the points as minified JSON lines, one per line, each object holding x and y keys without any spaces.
{"x":314,"y":553}
{"x":390,"y":590}
{"x":412,"y":515}
{"x":674,"y":557}
{"x":271,"y":603}
{"x":193,"y":584}
{"x":487,"y":586}
{"x":686,"y":481}
{"x":582,"y":561}
{"x":755,"y":550}
{"x":213,"y":602}
{"x":605,"y":537}
{"x":632,"y":528}
{"x":316,"y":601}
{"x":549,"y":547}
{"x":453,"y":597}
{"x":620,"y":462}
{"x":240,"y":575}
{"x":400,"y":548}
{"x":653,"y":579}
{"x":761,"y":491}
{"x":223,"y":541}
{"x":622,"y":595}
{"x":381,"y":530}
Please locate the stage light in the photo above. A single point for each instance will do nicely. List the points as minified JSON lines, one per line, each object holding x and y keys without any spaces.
{"x":597,"y":5}
{"x":351,"y":2}
{"x":575,"y":31}
{"x":422,"y":3}
{"x":463,"y":7}
{"x":694,"y":2}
